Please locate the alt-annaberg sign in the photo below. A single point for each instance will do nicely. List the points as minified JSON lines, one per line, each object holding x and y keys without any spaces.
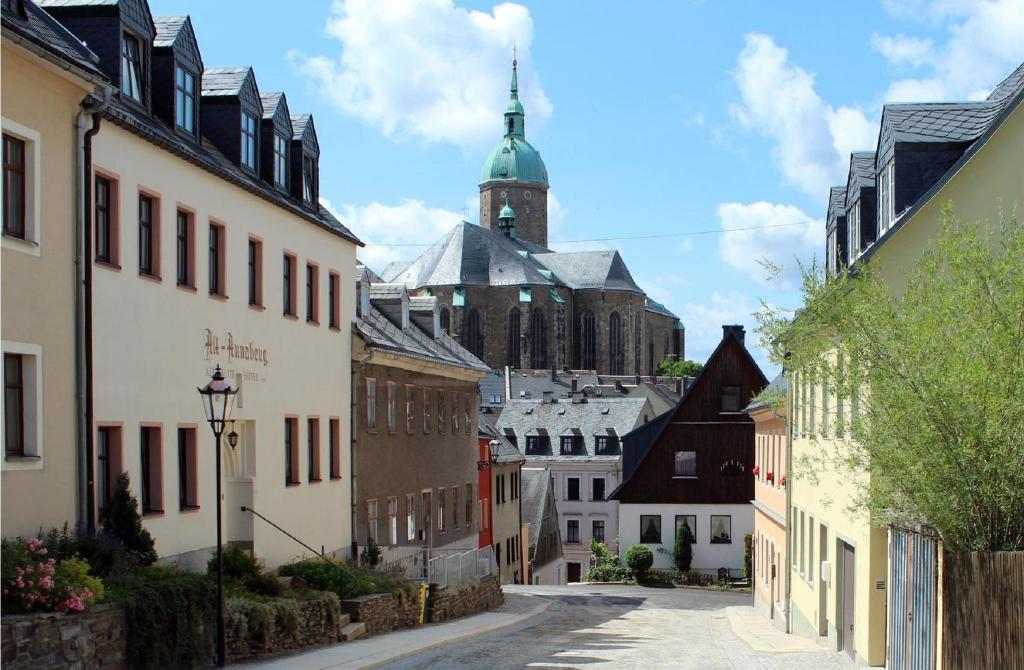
{"x":235,"y":351}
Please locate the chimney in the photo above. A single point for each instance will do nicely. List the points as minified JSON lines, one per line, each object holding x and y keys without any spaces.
{"x":548,"y":397}
{"x":508,"y":383}
{"x":679,"y":386}
{"x":618,"y":386}
{"x":734,"y":330}
{"x":574,"y":380}
{"x":554,"y":373}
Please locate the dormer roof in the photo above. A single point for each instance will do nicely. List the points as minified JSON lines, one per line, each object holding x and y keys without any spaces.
{"x":861,"y":175}
{"x":135,"y":13}
{"x":176,"y":32}
{"x":46,"y":32}
{"x":303,"y":130}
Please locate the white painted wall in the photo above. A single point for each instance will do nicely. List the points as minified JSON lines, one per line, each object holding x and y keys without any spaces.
{"x":706,"y":556}
{"x":151,"y":354}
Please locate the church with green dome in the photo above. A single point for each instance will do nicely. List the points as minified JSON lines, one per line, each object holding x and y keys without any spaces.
{"x":512,"y":301}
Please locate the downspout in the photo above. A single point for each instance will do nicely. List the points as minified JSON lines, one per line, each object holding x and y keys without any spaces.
{"x":353,"y":411}
{"x":790,"y":401}
{"x":83,"y":305}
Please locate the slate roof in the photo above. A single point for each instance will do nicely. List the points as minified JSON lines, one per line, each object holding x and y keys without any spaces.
{"x":470,"y":255}
{"x":590,"y":269}
{"x":940,"y":122}
{"x":299,"y":123}
{"x":535,"y":489}
{"x":644,"y":437}
{"x":46,"y":32}
{"x":1009,"y":87}
{"x":167,"y":29}
{"x":224,"y":80}
{"x":507,"y":452}
{"x":379,"y":332}
{"x":657,"y":307}
{"x":780,"y":384}
{"x":533,"y":383}
{"x":661,"y":397}
{"x":862,"y":168}
{"x":270,"y":100}
{"x":836,"y":206}
{"x":593,"y":417}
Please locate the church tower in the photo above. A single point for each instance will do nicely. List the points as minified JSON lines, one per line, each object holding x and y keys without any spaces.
{"x":514,"y":178}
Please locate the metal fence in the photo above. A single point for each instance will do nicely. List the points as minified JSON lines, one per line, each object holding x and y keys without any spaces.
{"x":913,"y":601}
{"x":439,"y":566}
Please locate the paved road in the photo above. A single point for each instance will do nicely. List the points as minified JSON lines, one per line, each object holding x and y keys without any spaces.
{"x":620,"y":627}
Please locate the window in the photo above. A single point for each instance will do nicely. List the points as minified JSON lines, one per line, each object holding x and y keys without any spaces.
{"x":721,"y":529}
{"x":392,"y":521}
{"x":441,"y":502}
{"x":280,"y":161}
{"x":392,"y":407}
{"x":14,"y":404}
{"x":308,"y":188}
{"x":371,"y":403}
{"x":334,"y":430}
{"x":455,"y":507}
{"x":810,"y":549}
{"x":538,"y":340}
{"x":410,"y":408}
{"x":475,"y":333}
{"x":185,"y":100}
{"x":566,"y":445}
{"x":685,"y":464}
{"x":499,"y":489}
{"x":688,"y":520}
{"x":313,"y":447}
{"x":255,"y":276}
{"x":512,"y":345}
{"x":188,"y":491}
{"x":616,"y":350}
{"x":288,"y":288}
{"x":572,"y":488}
{"x":887,"y":197}
{"x":469,"y":505}
{"x":14,"y":187}
{"x":371,"y":521}
{"x":410,"y":518}
{"x":650,"y":529}
{"x":131,"y":67}
{"x":597,"y":489}
{"x":446,"y":319}
{"x":588,"y":341}
{"x":597,"y":530}
{"x":853,"y":230}
{"x":312,"y":294}
{"x":442,"y":417}
{"x":731,"y":399}
{"x":572,"y":531}
{"x":333,"y":299}
{"x":606,"y":444}
{"x":453,"y":398}
{"x":291,"y":451}
{"x":426,"y":410}
{"x":217,"y":269}
{"x":248,"y":141}
{"x":109,"y":457}
{"x":152,"y":470}
{"x":105,"y":218}
{"x":637,"y":332}
{"x":183,"y":249}
{"x":149,"y":237}
{"x":538,"y":444}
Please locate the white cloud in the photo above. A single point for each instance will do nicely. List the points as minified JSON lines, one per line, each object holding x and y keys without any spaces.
{"x":704,"y":323}
{"x":984,"y":44}
{"x":427,"y":69}
{"x":813,"y":139}
{"x":780,"y":233}
{"x":382,"y":226}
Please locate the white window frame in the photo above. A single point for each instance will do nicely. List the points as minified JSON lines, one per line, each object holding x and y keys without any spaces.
{"x":410,"y":517}
{"x":280,"y":161}
{"x":372,"y":523}
{"x":371,"y":403}
{"x":31,"y":374}
{"x":392,"y":406}
{"x":392,"y":521}
{"x":853,"y":230}
{"x":33,"y":187}
{"x":886,"y":187}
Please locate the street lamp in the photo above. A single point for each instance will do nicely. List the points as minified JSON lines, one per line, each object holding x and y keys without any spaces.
{"x":218,"y":400}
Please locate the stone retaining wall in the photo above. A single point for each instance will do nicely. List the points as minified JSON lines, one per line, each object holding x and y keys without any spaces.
{"x":256,"y":630}
{"x":446,"y":603}
{"x":93,"y":639}
{"x":383,"y":612}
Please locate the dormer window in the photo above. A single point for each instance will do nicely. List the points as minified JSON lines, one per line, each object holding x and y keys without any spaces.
{"x":131,"y":67}
{"x":887,"y":201}
{"x":185,"y":100}
{"x":248,"y":141}
{"x":280,"y":161}
{"x":307,"y":179}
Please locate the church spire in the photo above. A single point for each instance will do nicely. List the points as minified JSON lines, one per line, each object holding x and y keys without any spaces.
{"x":515,"y":115}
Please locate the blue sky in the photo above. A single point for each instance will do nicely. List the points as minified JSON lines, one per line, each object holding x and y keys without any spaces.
{"x":652,"y":118}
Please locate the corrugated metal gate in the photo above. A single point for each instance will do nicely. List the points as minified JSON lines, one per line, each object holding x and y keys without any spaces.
{"x":913,"y":602}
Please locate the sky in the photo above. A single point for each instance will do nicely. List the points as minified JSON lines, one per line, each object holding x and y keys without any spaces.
{"x":696,"y":137}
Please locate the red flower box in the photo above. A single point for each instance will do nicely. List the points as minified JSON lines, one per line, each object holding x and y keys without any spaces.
{"x":782,"y":480}
{"x":770,"y":476}
{"x":756,"y":470}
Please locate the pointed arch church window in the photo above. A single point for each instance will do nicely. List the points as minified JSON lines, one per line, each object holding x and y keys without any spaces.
{"x":446,"y":320}
{"x":512,"y":346}
{"x":637,"y":343}
{"x":475,"y":334}
{"x":538,"y":340}
{"x":588,"y":341}
{"x":616,"y":354}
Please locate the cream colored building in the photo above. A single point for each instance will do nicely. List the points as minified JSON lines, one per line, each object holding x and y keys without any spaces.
{"x":210,"y":248}
{"x":838,"y":559}
{"x":46,"y":76}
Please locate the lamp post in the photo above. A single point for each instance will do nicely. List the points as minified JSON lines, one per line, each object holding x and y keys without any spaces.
{"x":218,"y":401}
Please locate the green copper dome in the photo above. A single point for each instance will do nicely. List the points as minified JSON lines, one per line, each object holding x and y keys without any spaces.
{"x":506,"y":212}
{"x":514,"y":159}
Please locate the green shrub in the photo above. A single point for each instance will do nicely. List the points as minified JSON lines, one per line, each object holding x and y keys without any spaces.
{"x":121,"y":520}
{"x":171,"y":621}
{"x":639,"y":560}
{"x":371,"y":554}
{"x":104,"y":554}
{"x":682,"y":552}
{"x":344,"y":581}
{"x":604,"y":565}
{"x":238,"y":563}
{"x":747,"y":539}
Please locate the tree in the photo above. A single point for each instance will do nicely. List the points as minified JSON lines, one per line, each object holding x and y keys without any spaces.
{"x":122,"y":521}
{"x":748,"y":541}
{"x":682,"y":553}
{"x":639,"y":560}
{"x":933,"y":376}
{"x":673,"y":368}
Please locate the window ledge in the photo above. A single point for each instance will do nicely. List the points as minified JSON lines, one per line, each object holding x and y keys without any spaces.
{"x":219,"y":297}
{"x":22,"y":458}
{"x":151,"y":277}
{"x":257,"y":307}
{"x":335,"y":329}
{"x":291,"y":317}
{"x":684,"y":477}
{"x":290,"y":484}
{"x":313,"y":322}
{"x":30,"y":247}
{"x":315,"y":480}
{"x":108,"y":265}
{"x":335,"y":478}
{"x":149,"y":514}
{"x":187,"y":288}
{"x":189,"y":509}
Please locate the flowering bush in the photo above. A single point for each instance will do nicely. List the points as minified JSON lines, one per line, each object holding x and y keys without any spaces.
{"x":33,"y":581}
{"x":756,"y":470}
{"x":770,"y":476}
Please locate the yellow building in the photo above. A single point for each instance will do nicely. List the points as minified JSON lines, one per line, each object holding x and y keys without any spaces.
{"x":972,"y":155}
{"x":47,"y":75}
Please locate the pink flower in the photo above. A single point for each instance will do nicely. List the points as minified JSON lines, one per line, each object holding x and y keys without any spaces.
{"x":29,"y":569}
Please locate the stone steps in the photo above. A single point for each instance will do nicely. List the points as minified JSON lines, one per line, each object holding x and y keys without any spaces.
{"x":344,"y":620}
{"x":353,"y":631}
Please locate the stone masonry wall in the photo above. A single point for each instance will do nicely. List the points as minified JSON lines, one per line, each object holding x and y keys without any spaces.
{"x":383,"y":612}
{"x":256,"y":634}
{"x":92,"y":639}
{"x":445,"y":604}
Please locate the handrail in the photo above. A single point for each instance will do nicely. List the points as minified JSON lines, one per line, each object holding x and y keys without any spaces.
{"x":321,"y":554}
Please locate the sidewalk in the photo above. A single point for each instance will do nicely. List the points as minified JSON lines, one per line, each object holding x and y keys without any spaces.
{"x":378,"y":650}
{"x":759,"y":633}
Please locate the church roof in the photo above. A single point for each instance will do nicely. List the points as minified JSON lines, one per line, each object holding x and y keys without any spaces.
{"x":590,"y":269}
{"x":470,"y":255}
